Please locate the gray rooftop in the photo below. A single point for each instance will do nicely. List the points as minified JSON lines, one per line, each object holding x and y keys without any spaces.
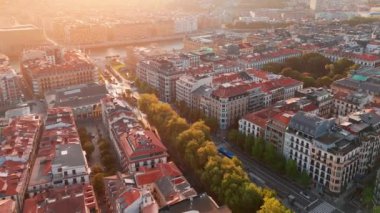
{"x":203,"y":90}
{"x":85,"y":94}
{"x":310,"y":124}
{"x":69,"y":155}
{"x":165,"y":186}
{"x":201,"y":203}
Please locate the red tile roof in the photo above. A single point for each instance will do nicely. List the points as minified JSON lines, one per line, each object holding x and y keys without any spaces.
{"x":130,"y":196}
{"x":148,"y":176}
{"x":140,"y":144}
{"x":283,"y":117}
{"x":260,"y":118}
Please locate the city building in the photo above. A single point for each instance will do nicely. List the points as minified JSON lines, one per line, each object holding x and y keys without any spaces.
{"x":230,"y":101}
{"x":83,"y":99}
{"x":60,"y":160}
{"x":321,"y":97}
{"x":8,"y":205}
{"x":345,"y":104}
{"x":10,"y":89}
{"x":118,"y":118}
{"x":187,"y":84}
{"x":276,"y":128}
{"x":161,"y":75}
{"x":51,"y":68}
{"x":185,"y":24}
{"x":365,"y":125}
{"x":365,"y":60}
{"x":322,"y":149}
{"x":85,"y":33}
{"x":17,"y":38}
{"x":199,"y":203}
{"x":76,"y":198}
{"x":135,"y":146}
{"x":147,"y":189}
{"x":376,"y":191}
{"x":255,"y":123}
{"x":19,"y":141}
{"x":141,"y":148}
{"x":259,"y":60}
{"x":365,"y":80}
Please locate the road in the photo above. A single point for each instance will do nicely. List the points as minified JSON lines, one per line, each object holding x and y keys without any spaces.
{"x":281,"y":185}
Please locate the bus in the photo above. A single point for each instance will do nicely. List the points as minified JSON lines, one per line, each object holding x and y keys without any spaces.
{"x":224,"y":151}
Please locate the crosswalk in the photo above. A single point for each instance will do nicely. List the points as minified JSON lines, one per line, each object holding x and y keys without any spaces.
{"x":324,"y":207}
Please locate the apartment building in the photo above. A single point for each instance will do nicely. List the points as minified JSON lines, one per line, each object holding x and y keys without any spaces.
{"x":321,"y":97}
{"x":259,"y":60}
{"x":365,"y":124}
{"x":141,"y":148}
{"x":47,"y":69}
{"x":75,"y":198}
{"x":229,"y":102}
{"x":161,"y":75}
{"x":365,"y":79}
{"x":60,"y":160}
{"x":147,"y":189}
{"x":347,"y":103}
{"x":10,"y":88}
{"x":328,"y":153}
{"x":185,"y":24}
{"x":83,"y":99}
{"x":365,"y":60}
{"x":135,"y":146}
{"x":187,"y":84}
{"x":19,"y":142}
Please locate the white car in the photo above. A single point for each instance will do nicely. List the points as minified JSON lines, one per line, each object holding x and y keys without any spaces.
{"x":305,"y":195}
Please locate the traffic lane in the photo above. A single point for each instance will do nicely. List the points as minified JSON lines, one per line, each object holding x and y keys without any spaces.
{"x":281,"y":188}
{"x":278,"y":183}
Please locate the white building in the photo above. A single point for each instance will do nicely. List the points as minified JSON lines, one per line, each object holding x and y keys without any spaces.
{"x":327,"y":153}
{"x":187,"y":84}
{"x":345,"y":104}
{"x":186,"y":24}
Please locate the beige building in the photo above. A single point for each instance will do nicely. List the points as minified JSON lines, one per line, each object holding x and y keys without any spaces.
{"x":328,"y":153}
{"x":55,"y":69}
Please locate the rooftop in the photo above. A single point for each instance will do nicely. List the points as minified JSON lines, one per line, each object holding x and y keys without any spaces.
{"x":74,"y":198}
{"x":70,"y":155}
{"x":201,"y":203}
{"x":76,"y":96}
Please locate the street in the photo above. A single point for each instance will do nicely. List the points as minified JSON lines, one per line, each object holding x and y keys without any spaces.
{"x":283,"y":186}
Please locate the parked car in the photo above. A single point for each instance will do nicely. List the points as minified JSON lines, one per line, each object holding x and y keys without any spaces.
{"x":303,"y":193}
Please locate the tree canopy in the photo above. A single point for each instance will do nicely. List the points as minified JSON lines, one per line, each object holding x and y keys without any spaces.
{"x":221,"y":176}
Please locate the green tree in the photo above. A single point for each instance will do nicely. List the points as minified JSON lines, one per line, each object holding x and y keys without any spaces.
{"x":96,"y":169}
{"x":233,"y":135}
{"x":98,"y":184}
{"x":308,"y":82}
{"x":89,"y":148}
{"x":324,"y":81}
{"x":304,"y":179}
{"x":291,"y":168}
{"x":258,"y":149}
{"x":270,"y":154}
{"x":249,"y":142}
{"x":272,"y":205}
{"x":273,"y":67}
{"x":212,"y":123}
{"x":146,"y":101}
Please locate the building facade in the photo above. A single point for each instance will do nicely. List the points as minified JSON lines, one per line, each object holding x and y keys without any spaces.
{"x":19,"y":143}
{"x":10,"y":88}
{"x":329,"y":154}
{"x":57,"y":69}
